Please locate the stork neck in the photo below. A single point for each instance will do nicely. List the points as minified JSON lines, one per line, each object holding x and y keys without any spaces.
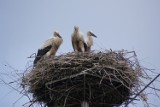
{"x":90,"y":41}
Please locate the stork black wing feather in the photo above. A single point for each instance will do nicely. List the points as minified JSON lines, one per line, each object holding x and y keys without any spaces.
{"x":85,"y":46}
{"x":41,"y":52}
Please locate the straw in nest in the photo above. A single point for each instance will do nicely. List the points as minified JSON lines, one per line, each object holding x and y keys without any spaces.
{"x":104,"y":79}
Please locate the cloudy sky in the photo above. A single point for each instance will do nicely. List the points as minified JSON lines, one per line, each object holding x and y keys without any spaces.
{"x":118,"y":24}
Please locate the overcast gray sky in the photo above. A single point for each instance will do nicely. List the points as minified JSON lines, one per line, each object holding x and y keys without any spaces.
{"x":119,"y":24}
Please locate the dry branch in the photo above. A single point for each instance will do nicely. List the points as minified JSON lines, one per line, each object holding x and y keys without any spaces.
{"x":104,"y":79}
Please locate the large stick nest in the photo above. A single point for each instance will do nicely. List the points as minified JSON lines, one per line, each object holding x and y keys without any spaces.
{"x":104,"y":79}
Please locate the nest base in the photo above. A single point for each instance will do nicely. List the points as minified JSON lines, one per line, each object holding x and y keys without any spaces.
{"x":81,"y":87}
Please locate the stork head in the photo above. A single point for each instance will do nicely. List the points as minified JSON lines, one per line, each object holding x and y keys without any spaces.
{"x":56,"y":34}
{"x":89,"y":33}
{"x":76,"y":28}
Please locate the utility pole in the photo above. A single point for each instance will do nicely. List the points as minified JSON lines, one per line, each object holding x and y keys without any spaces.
{"x":84,"y":104}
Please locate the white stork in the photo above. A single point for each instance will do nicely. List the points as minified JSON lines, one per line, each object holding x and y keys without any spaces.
{"x":78,"y":42}
{"x":49,"y":47}
{"x":90,"y":40}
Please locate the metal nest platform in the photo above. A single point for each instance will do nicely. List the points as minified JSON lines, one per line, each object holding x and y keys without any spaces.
{"x":103,"y":79}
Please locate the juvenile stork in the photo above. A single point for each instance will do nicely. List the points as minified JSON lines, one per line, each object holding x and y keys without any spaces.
{"x":49,"y":47}
{"x":78,"y":42}
{"x":90,"y":40}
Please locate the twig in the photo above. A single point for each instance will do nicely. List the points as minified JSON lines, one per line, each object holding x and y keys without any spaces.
{"x":142,"y":90}
{"x":31,"y":56}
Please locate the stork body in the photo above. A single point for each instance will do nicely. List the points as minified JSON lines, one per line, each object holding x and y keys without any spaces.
{"x":49,"y":47}
{"x":78,"y":42}
{"x":90,"y":40}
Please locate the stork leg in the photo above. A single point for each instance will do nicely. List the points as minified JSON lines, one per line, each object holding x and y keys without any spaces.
{"x":81,"y":46}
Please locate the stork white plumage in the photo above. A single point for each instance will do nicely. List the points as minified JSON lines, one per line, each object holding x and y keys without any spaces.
{"x":49,"y":47}
{"x":90,"y":40}
{"x":78,"y":42}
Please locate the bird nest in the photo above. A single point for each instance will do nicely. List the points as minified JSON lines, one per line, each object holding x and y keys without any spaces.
{"x":103,"y":79}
